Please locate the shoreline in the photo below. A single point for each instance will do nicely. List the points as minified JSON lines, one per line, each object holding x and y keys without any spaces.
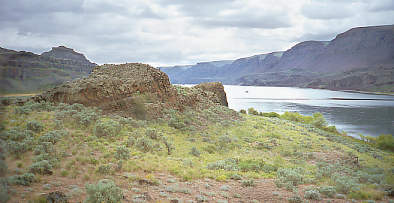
{"x":366,"y":92}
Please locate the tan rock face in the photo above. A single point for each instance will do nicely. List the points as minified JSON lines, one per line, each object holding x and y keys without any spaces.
{"x":217,"y":88}
{"x":122,"y":88}
{"x":107,"y":85}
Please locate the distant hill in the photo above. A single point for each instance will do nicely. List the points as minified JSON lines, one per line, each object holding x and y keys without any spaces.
{"x":201,"y":72}
{"x":22,"y":71}
{"x":358,"y":59}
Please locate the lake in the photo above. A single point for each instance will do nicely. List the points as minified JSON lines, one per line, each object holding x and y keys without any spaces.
{"x":354,"y":113}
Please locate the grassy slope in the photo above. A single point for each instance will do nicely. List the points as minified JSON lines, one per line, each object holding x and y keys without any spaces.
{"x":38,"y":79}
{"x":251,"y":140}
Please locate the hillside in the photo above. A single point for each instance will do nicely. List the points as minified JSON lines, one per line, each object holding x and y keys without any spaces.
{"x":28,"y":72}
{"x":150,"y":141}
{"x":312,"y":64}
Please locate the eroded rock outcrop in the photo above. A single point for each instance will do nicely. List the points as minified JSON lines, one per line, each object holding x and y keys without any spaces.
{"x":123,"y":88}
{"x":217,"y":88}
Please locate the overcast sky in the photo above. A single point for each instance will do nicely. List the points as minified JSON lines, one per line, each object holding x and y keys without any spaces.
{"x":169,"y":32}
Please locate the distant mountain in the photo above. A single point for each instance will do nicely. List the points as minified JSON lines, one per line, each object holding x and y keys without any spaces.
{"x":353,"y":60}
{"x":22,"y":71}
{"x":201,"y":72}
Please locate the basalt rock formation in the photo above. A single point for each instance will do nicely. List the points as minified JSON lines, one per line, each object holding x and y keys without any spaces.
{"x":217,"y":88}
{"x":122,"y":89}
{"x":22,"y":71}
{"x":358,"y":54}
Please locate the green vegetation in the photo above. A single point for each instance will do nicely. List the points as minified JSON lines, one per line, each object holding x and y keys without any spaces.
{"x":25,"y":179}
{"x":106,"y":127}
{"x":104,"y":191}
{"x":215,"y":144}
{"x":312,"y":194}
{"x":385,"y":142}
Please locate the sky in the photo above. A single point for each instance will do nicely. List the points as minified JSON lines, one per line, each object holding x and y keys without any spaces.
{"x":178,"y":32}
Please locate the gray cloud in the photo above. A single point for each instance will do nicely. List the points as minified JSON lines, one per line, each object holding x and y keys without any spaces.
{"x":169,"y":32}
{"x":248,"y":20}
{"x":21,"y":9}
{"x":382,"y":5}
{"x":316,"y":37}
{"x":324,"y":9}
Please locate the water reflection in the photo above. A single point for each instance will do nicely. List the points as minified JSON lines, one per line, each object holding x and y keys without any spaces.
{"x":354,"y":113}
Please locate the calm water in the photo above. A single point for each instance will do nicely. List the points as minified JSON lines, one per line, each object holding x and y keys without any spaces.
{"x":360,"y":114}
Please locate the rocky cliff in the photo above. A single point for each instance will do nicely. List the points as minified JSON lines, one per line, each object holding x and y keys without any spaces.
{"x":22,"y":71}
{"x":363,"y":48}
{"x":68,"y":56}
{"x":133,"y":88}
{"x":217,"y":88}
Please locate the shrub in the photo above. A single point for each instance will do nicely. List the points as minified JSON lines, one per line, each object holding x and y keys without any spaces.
{"x":41,"y":167}
{"x":44,"y":148}
{"x":4,"y":197}
{"x":370,"y":176}
{"x":210,"y":148}
{"x":52,"y":136}
{"x":152,"y":134}
{"x":230,"y":164}
{"x":3,"y":146}
{"x":86,"y":116}
{"x":18,"y":142}
{"x":130,"y":121}
{"x":131,"y":141}
{"x":44,"y":156}
{"x":312,"y":194}
{"x":36,"y":106}
{"x":344,"y":184}
{"x":106,"y":128}
{"x":248,"y":183}
{"x":328,"y":191}
{"x":224,"y":140}
{"x":18,"y":148}
{"x":105,"y":169}
{"x":289,"y":177}
{"x":144,"y":144}
{"x":366,"y":193}
{"x":331,"y":129}
{"x":318,"y":120}
{"x":243,"y":111}
{"x":195,"y":152}
{"x":20,"y":110}
{"x":122,"y":153}
{"x":139,"y":109}
{"x":16,"y":134}
{"x":295,"y":199}
{"x":236,"y":176}
{"x":252,"y":111}
{"x":3,"y":168}
{"x":294,"y":116}
{"x":324,"y":170}
{"x":169,"y":145}
{"x":25,"y":179}
{"x":176,"y":123}
{"x":251,"y":165}
{"x":41,"y":106}
{"x":35,"y":126}
{"x":270,"y":114}
{"x":385,"y":142}
{"x":104,"y":191}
